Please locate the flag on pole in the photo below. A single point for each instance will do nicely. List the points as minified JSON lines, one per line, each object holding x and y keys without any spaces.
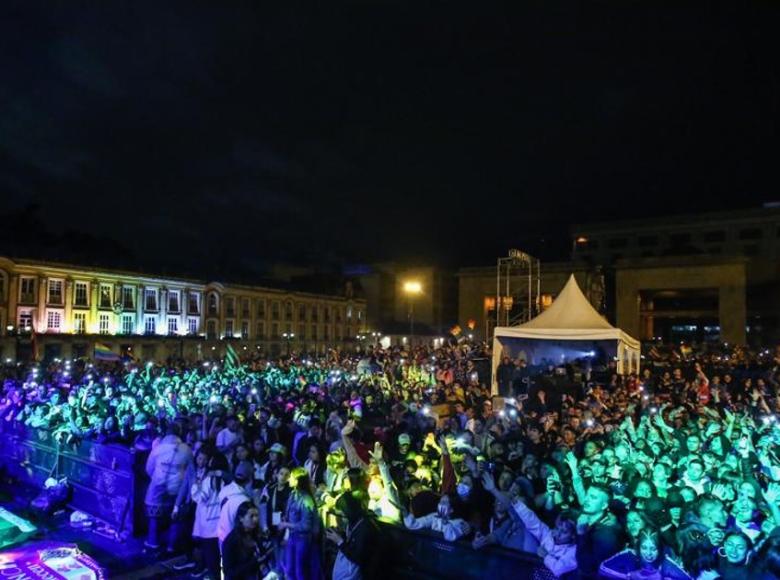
{"x":104,"y":352}
{"x":231,"y":357}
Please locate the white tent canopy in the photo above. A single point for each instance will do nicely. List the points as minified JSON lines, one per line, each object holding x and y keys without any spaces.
{"x":571,"y":317}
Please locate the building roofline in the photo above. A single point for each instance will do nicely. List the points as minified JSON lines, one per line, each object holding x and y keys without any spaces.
{"x":764,"y":214}
{"x":116,"y":272}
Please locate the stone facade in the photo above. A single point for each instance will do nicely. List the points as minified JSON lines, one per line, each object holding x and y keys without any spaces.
{"x":63,"y":310}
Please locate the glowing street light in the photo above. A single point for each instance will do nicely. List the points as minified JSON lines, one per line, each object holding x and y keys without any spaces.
{"x":412,"y":288}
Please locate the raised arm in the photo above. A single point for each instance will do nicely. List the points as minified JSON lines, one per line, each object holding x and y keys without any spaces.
{"x":353,"y":458}
{"x":576,"y":478}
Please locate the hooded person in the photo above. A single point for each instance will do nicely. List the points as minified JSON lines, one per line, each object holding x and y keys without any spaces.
{"x":231,"y":496}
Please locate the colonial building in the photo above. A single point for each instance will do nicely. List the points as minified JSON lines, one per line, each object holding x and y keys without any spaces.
{"x":51,"y":310}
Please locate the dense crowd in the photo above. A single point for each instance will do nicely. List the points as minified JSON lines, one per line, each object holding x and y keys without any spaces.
{"x":291,"y":468}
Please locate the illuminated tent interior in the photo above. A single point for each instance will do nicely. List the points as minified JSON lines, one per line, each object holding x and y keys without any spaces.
{"x":569,"y":329}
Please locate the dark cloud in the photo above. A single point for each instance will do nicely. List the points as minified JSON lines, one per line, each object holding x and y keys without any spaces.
{"x":233,"y":136}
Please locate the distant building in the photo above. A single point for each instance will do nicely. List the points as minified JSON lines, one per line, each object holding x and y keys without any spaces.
{"x":63,"y":310}
{"x":693,"y":278}
{"x":402,"y":300}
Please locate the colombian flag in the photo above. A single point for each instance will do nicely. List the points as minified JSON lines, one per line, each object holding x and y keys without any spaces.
{"x":104,"y":352}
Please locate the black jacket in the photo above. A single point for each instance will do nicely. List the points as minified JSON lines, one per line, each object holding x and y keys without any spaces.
{"x":239,"y":562}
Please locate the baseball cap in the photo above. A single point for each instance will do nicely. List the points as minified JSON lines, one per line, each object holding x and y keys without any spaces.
{"x":278,"y":448}
{"x":404,"y":439}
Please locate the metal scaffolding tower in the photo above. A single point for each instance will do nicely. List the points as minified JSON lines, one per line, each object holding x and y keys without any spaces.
{"x":518,"y":285}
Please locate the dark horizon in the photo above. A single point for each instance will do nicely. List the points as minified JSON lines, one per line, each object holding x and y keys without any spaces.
{"x":189,"y":139}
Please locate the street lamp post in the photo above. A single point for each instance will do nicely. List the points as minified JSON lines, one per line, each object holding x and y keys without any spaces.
{"x":412,"y":288}
{"x":288,"y":336}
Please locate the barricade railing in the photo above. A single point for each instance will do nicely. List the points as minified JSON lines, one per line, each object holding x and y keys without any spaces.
{"x":106,"y":479}
{"x":109,"y":481}
{"x":425,"y":554}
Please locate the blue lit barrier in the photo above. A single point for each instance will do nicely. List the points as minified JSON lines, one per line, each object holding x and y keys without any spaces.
{"x":106,"y":479}
{"x":422,"y":554}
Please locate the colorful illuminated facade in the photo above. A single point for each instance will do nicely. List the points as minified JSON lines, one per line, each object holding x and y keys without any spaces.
{"x":50,"y":310}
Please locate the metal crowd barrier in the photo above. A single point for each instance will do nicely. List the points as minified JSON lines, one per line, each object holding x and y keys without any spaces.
{"x":107,"y":480}
{"x":424,"y":554}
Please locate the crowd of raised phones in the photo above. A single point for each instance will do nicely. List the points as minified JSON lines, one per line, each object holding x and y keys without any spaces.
{"x":292,"y":468}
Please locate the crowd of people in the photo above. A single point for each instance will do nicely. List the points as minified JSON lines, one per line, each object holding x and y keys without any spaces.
{"x":293,"y":468}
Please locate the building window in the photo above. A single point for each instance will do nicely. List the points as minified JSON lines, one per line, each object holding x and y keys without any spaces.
{"x":339,"y":314}
{"x":360,"y":315}
{"x":617,"y":243}
{"x":327,"y":313}
{"x":274,"y":330}
{"x":27,"y":291}
{"x":53,"y":321}
{"x":211,"y":330}
{"x":150,"y":325}
{"x":103,"y":321}
{"x":646,"y":241}
{"x":80,"y":294}
{"x":302,"y":331}
{"x":25,"y":321}
{"x":127,"y":298}
{"x":193,"y":303}
{"x":150,"y":300}
{"x":80,"y":322}
{"x":288,"y":311}
{"x":313,"y":332}
{"x":714,"y":236}
{"x":173,"y":325}
{"x":750,"y":250}
{"x":230,"y":306}
{"x":680,"y":239}
{"x":301,"y":312}
{"x":245,"y":307}
{"x":315,"y":314}
{"x":192,"y":326}
{"x":260,"y":330}
{"x":274,"y":310}
{"x":105,"y":296}
{"x":213,"y":304}
{"x":261,"y":308}
{"x":55,"y":292}
{"x":173,"y":301}
{"x":339,"y":333}
{"x":245,"y":329}
{"x":326,"y":335}
{"x":751,"y":234}
{"x":228,"y":329}
{"x":349,"y":312}
{"x":127,"y":324}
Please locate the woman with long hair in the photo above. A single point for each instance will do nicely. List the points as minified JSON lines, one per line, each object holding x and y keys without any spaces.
{"x":734,"y":555}
{"x":301,"y":553}
{"x":646,"y":559}
{"x":241,"y":556}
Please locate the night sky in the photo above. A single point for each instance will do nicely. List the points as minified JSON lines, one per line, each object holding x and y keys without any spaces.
{"x":221,"y":137}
